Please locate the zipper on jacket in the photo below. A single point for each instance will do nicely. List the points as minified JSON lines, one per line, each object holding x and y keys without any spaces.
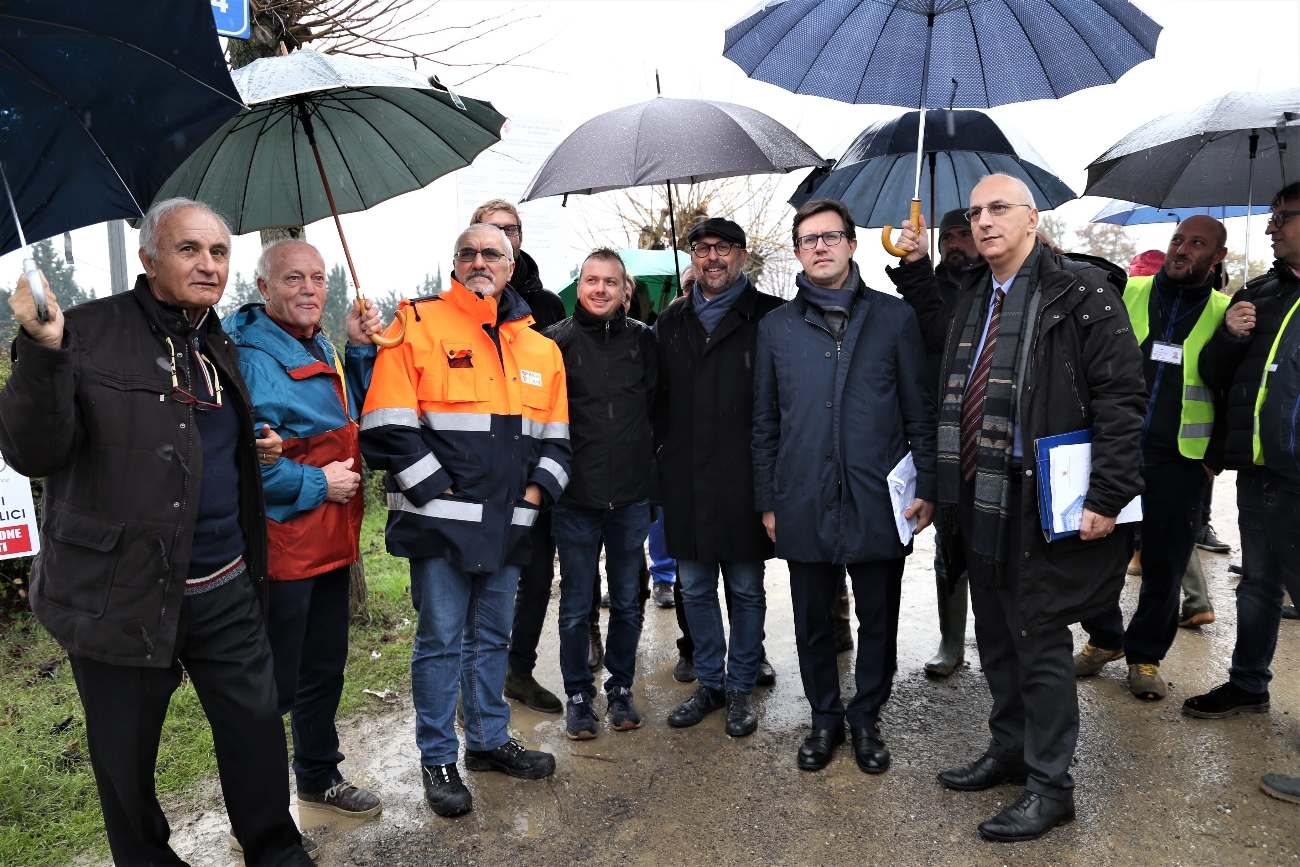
{"x":1074,"y":387}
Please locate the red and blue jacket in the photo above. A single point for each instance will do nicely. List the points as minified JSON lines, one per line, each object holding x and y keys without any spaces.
{"x":313,"y":406}
{"x":476,"y":407}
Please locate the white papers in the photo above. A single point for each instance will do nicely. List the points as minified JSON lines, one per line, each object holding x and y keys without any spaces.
{"x":902,"y":492}
{"x":1071,"y":466}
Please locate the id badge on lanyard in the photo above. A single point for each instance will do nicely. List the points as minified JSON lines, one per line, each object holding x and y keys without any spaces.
{"x":1168,"y":353}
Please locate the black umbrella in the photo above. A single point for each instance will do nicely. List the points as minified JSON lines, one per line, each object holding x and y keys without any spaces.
{"x":669,"y":141}
{"x":99,"y":104}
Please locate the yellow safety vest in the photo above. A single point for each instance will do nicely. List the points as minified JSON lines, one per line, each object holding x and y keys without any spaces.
{"x":1198,"y":400}
{"x":1263,"y":382}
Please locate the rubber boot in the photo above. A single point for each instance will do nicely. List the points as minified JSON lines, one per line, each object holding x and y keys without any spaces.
{"x":952,"y":629}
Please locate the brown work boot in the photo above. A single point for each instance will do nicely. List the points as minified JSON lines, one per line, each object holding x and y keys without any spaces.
{"x":1196,"y":620}
{"x":1135,"y":565}
{"x":1091,"y":660}
{"x":1145,"y":682}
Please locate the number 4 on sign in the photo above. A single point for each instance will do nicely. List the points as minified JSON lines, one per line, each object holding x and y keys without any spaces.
{"x":223,"y":5}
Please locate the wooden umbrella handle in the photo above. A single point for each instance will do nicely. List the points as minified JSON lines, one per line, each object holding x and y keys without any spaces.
{"x":396,"y":340}
{"x":887,"y":231}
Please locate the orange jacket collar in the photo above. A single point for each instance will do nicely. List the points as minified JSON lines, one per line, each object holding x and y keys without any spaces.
{"x":480,"y":309}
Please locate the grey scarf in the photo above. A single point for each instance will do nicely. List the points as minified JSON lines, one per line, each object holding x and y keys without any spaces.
{"x":710,"y":311}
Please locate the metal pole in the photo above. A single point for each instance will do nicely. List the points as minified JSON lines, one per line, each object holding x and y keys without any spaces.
{"x":672,"y":223}
{"x":117,"y":256}
{"x":933,"y":240}
{"x":29,"y":261}
{"x":1250,"y":200}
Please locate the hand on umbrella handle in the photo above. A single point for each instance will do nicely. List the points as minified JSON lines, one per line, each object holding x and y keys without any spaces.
{"x":399,"y":317}
{"x":888,"y":231}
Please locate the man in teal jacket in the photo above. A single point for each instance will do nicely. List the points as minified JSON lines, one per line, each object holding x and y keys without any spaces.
{"x":314,"y":505}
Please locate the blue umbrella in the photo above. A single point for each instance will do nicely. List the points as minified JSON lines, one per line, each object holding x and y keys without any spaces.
{"x":99,"y":104}
{"x":976,"y":53}
{"x":961,"y":147}
{"x":1122,"y":213}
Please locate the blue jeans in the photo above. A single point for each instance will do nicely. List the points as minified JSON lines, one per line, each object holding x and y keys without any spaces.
{"x":578,"y":535}
{"x":662,"y":567}
{"x":1270,"y":562}
{"x":747,"y":611}
{"x":462,"y":637}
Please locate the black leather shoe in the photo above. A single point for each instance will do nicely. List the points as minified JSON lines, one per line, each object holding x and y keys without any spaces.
{"x":684,"y":670}
{"x":512,"y":759}
{"x":1029,"y":818}
{"x":766,"y":673}
{"x":816,"y":751}
{"x":595,"y":650}
{"x":742,"y":719}
{"x":704,"y":701}
{"x":445,"y":794}
{"x":870,"y":751}
{"x":983,"y":773}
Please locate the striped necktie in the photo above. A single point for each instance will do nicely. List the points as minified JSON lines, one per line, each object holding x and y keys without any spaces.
{"x":972,"y":407}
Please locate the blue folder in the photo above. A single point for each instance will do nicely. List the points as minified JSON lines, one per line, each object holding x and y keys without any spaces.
{"x":1043,"y":457}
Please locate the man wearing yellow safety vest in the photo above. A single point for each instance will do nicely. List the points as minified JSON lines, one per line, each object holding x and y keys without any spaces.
{"x":1253,"y":358}
{"x":1174,"y":314}
{"x":470,"y":417}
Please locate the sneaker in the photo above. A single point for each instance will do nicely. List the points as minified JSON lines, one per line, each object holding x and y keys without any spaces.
{"x":513,"y":760}
{"x":580,"y":718}
{"x":308,"y":845}
{"x":1135,"y":565}
{"x":1282,"y":787}
{"x":742,"y":719}
{"x":1194,"y":620}
{"x":1224,"y":701}
{"x":1091,"y":660}
{"x":684,"y":670}
{"x":1206,"y":540}
{"x":622,"y":710}
{"x":444,"y":792}
{"x":1144,"y":681}
{"x":663,"y":592}
{"x":344,"y":799}
{"x":766,"y":673}
{"x":704,"y":701}
{"x":531,"y":693}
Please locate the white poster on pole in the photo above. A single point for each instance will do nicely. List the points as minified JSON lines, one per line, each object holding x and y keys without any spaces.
{"x":502,"y":172}
{"x":18,"y":536}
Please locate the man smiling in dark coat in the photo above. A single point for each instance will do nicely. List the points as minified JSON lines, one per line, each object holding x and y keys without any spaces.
{"x":841,"y":396}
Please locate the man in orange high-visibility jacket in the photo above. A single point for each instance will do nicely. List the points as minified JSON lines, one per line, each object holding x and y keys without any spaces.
{"x":470,"y":417}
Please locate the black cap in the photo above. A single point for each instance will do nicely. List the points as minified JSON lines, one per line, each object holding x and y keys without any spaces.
{"x":719,"y":227}
{"x":952,"y":220}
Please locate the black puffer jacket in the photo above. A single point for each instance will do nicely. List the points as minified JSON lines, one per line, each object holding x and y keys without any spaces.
{"x":122,"y":464}
{"x":1235,"y":365}
{"x":547,"y":307}
{"x":612,"y":370}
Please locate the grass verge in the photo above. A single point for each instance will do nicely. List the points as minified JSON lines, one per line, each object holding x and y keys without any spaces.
{"x":49,"y":810}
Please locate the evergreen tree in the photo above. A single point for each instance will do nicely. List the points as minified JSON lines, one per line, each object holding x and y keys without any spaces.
{"x":338,"y":304}
{"x":63,"y":284}
{"x":238,"y":293}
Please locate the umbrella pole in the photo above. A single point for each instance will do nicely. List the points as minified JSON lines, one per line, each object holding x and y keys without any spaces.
{"x":920,"y":148}
{"x":933,"y":159}
{"x":29,"y":261}
{"x":1250,"y":200}
{"x":672,"y":223}
{"x":385,"y":342}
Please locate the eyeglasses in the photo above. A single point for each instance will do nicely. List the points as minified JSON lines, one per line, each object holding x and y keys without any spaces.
{"x":467,"y":255}
{"x":511,"y":231}
{"x":997,"y":209}
{"x":722,"y":248}
{"x":830,"y":239}
{"x":1277,"y":219}
{"x":213,"y":382}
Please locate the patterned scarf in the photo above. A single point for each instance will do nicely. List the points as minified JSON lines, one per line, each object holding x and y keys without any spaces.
{"x":990,"y":535}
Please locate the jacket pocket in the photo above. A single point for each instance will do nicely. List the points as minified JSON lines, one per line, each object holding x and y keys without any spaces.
{"x":78,"y":562}
{"x":535,"y":397}
{"x":460,"y":380}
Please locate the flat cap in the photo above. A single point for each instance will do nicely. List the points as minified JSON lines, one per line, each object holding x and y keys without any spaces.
{"x":952,"y":220}
{"x":719,"y":227}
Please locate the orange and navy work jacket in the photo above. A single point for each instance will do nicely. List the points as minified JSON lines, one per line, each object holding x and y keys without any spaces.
{"x":471,"y":406}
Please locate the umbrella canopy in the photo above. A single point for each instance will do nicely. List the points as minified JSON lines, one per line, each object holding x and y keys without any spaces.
{"x":655,"y":273}
{"x":101,"y":102}
{"x":381,"y":131}
{"x":663,"y":141}
{"x":961,"y":147}
{"x":979,"y":53}
{"x":1121,"y":213}
{"x":1218,"y":153}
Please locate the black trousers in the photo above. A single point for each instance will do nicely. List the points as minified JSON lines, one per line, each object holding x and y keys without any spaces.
{"x":222,"y":644}
{"x":1035,"y":714}
{"x":1171,"y":519}
{"x":307,"y":622}
{"x":877,"y":589}
{"x":532,"y":597}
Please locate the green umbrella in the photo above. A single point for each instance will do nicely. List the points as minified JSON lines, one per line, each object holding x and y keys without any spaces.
{"x":656,"y":278}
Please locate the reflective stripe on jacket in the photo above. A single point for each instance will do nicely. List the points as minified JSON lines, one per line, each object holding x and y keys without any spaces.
{"x":448,"y":409}
{"x":304,"y":400}
{"x":1197,"y":423}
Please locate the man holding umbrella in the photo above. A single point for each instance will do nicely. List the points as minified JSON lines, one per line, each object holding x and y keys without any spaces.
{"x":1040,"y":345}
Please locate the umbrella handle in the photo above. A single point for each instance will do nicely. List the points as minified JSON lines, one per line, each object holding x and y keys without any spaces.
{"x":389,"y":342}
{"x":889,"y":230}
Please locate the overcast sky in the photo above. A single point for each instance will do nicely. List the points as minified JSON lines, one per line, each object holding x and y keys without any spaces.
{"x":597,"y":55}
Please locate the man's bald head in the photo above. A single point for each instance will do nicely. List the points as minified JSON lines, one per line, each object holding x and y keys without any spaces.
{"x":291,"y":278}
{"x":1199,"y":243}
{"x":273,"y":253}
{"x":1004,"y":241}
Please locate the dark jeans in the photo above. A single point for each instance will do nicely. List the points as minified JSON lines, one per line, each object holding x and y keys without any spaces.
{"x":221,"y":642}
{"x":532,"y":598}
{"x":686,"y":644}
{"x":877,"y":589}
{"x":642,"y":596}
{"x":578,"y":535}
{"x":1035,"y":714}
{"x":1269,"y":516}
{"x":1171,"y":518}
{"x":307,"y":622}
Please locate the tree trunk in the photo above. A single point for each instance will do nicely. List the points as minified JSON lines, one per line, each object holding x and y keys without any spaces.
{"x":358,"y":600}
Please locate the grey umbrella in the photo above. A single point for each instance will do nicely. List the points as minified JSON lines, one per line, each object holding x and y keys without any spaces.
{"x":1215,"y":154}
{"x":669,"y":141}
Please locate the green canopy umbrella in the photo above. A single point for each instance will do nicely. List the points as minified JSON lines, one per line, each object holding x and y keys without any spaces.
{"x":327,"y":134}
{"x":655,"y":275}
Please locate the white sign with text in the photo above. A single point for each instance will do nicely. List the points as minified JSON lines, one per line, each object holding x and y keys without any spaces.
{"x":18,"y":536}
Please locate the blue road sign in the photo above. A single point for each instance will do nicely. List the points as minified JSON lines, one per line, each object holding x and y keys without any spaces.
{"x":232,"y":17}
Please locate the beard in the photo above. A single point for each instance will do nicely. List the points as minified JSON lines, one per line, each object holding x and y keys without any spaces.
{"x":954,"y":260}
